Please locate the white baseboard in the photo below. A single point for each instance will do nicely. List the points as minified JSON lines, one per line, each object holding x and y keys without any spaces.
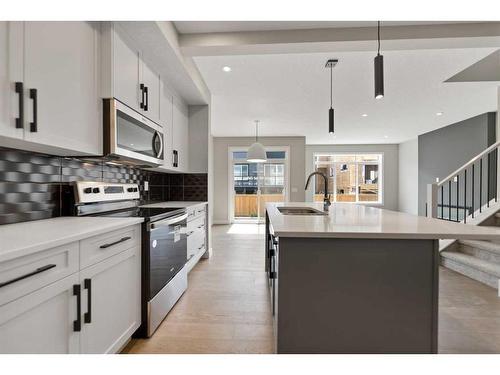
{"x":220,"y":222}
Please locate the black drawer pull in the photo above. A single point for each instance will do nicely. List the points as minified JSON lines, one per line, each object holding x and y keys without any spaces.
{"x":77,"y":324}
{"x":87,"y":317}
{"x":20,"y":119}
{"x":34,"y":124}
{"x":201,"y":247}
{"x":35,"y":272}
{"x":147,"y":98}
{"x":189,"y":233}
{"x":141,"y":86}
{"x":105,"y":246}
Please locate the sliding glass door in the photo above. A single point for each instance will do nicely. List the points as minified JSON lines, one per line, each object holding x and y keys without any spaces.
{"x":255,"y":184}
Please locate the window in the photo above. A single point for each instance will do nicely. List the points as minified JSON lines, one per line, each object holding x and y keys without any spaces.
{"x":351,"y":177}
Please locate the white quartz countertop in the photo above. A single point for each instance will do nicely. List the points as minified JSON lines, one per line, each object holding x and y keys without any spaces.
{"x":174,"y":204}
{"x":348,"y":220}
{"x":21,"y":239}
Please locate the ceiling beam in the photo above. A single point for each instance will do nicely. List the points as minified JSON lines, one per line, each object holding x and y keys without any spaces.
{"x":458,"y":35}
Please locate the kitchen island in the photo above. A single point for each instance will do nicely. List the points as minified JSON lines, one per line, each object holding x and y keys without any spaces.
{"x":356,"y":279}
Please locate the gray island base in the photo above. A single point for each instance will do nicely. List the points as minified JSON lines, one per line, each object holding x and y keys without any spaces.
{"x":336,"y":291}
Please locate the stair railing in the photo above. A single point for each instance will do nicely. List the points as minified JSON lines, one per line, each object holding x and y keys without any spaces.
{"x":469,"y":189}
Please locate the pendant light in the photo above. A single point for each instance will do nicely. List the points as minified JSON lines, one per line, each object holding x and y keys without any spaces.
{"x":256,"y":152}
{"x":379,"y":68}
{"x":330,"y":64}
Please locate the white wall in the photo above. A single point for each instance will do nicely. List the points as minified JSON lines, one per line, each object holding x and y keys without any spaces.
{"x":220,"y":161}
{"x":198,"y":138}
{"x":408,"y":177}
{"x":389,"y":167}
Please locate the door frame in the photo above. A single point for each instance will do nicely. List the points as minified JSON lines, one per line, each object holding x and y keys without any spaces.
{"x":230,"y":179}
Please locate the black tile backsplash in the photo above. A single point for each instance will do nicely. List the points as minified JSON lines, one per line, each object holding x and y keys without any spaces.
{"x":31,"y":183}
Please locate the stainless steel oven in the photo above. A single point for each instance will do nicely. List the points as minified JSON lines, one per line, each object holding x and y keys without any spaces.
{"x":164,"y":271}
{"x":131,"y":137}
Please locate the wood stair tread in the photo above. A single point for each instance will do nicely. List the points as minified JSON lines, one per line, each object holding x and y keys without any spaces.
{"x":471,"y":261}
{"x":492,"y":247}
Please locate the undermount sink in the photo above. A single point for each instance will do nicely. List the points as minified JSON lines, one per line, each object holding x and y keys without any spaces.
{"x":300,"y":211}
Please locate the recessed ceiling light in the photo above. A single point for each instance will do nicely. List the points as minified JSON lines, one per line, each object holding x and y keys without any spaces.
{"x":227,"y":69}
{"x":439,"y":113}
{"x":386,"y":136}
{"x":364,"y":115}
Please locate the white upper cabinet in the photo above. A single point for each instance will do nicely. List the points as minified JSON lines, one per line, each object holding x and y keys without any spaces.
{"x":126,"y":76}
{"x":125,"y":71}
{"x":151,"y":85}
{"x":10,"y":100}
{"x":180,"y":136}
{"x":166,"y":114}
{"x":49,"y":96}
{"x":62,"y":105}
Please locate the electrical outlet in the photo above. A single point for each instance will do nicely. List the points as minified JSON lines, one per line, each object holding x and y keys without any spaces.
{"x":146,"y":185}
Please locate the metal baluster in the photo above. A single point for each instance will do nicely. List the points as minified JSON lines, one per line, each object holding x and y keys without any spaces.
{"x":449,"y":200}
{"x":473,"y":191}
{"x":480,"y":184}
{"x":488,"y":187}
{"x":442,"y":201}
{"x":458,"y":182}
{"x":496,"y":173}
{"x":465,"y":196}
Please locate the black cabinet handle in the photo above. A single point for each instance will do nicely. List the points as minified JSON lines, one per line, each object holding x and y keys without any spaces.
{"x":189,"y":233}
{"x":147,"y":98}
{"x":29,"y":274}
{"x":115,"y":243}
{"x":34,"y":124}
{"x":87,"y":317}
{"x":20,"y":119}
{"x":141,"y":86}
{"x":77,"y":324}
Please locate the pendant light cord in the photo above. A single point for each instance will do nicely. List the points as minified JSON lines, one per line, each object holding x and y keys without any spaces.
{"x":256,"y":130}
{"x":378,"y":37}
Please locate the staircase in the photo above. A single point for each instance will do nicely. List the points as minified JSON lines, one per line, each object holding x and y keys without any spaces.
{"x":470,"y":196}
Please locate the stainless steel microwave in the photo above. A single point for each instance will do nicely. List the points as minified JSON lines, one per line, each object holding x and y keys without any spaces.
{"x":131,"y":137}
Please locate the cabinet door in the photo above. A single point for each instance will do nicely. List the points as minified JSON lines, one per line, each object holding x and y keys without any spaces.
{"x":11,"y":41}
{"x":41,"y":322}
{"x":151,"y":81}
{"x":166,"y":98}
{"x":126,"y":71}
{"x":180,"y":134}
{"x":61,"y":64}
{"x":115,"y":302}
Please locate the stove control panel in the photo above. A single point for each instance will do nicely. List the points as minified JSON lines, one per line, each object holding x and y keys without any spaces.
{"x":92,"y":192}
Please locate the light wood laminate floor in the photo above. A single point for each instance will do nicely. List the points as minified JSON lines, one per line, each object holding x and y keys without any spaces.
{"x":226,"y":308}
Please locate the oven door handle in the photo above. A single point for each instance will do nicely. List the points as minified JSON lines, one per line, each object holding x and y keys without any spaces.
{"x":169,"y":221}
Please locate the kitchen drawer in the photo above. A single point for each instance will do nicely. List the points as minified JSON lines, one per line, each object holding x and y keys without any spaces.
{"x":103,"y":246}
{"x":197,"y":223}
{"x":196,"y":211}
{"x":195,"y":243}
{"x":31,"y":272}
{"x":200,"y":210}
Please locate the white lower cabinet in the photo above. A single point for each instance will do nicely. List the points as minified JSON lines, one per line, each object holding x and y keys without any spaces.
{"x":41,"y":322}
{"x":196,"y":235}
{"x":112,"y":296}
{"x":94,"y":310}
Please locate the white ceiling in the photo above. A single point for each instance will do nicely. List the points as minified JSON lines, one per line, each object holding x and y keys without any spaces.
{"x":192,"y":27}
{"x":289,"y":93}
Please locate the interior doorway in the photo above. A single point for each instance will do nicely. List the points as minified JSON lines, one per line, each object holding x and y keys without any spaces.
{"x":252,"y":185}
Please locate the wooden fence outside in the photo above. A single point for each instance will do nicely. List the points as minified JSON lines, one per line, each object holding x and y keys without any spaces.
{"x":245,"y":205}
